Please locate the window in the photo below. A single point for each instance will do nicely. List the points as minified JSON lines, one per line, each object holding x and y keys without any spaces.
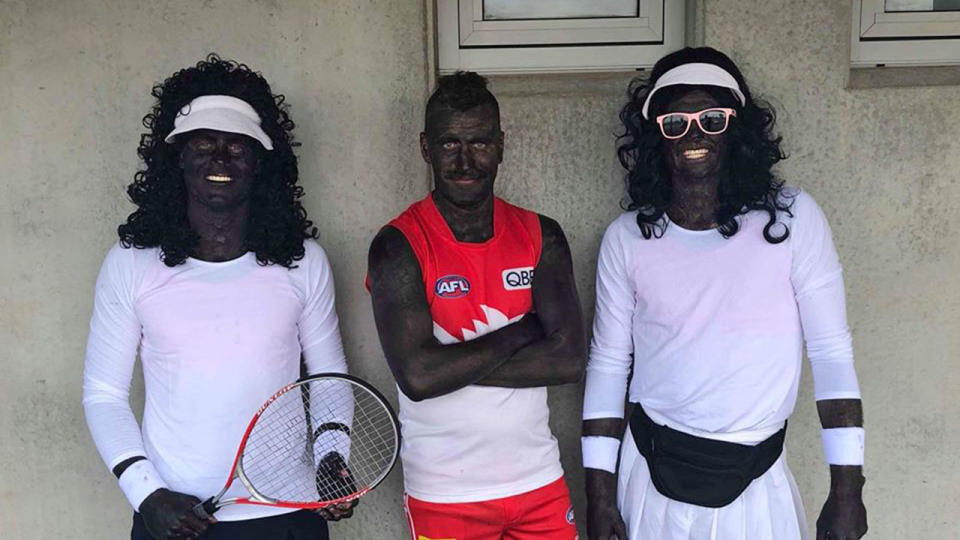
{"x":905,"y":32}
{"x":509,"y":36}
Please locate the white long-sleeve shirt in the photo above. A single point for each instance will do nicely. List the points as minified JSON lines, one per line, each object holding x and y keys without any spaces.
{"x":215,"y":341}
{"x":713,"y":327}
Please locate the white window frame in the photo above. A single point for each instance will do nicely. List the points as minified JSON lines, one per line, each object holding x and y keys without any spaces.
{"x":465,"y":41}
{"x":903,"y":39}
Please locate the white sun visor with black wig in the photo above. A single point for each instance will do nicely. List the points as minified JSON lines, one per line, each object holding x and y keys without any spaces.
{"x":696,"y":74}
{"x":220,"y":113}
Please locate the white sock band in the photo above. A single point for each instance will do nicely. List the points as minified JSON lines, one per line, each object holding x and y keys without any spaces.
{"x":843,"y":446}
{"x":139,"y":480}
{"x":600,"y":453}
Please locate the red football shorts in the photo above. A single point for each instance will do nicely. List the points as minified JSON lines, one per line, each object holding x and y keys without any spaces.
{"x":541,"y":514}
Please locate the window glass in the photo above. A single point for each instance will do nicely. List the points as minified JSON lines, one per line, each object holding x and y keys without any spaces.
{"x":891,"y":6}
{"x":558,"y":9}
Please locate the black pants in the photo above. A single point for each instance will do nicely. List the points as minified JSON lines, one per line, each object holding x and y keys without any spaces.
{"x":301,"y":525}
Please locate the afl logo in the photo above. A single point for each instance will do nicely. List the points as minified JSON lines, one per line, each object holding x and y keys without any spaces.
{"x":517,"y":278}
{"x":451,"y":286}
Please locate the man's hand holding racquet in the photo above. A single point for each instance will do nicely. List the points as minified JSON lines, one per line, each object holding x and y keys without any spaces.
{"x":169,"y":515}
{"x":335,"y":480}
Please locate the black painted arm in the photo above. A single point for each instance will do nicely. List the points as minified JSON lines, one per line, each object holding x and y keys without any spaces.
{"x":423,"y":367}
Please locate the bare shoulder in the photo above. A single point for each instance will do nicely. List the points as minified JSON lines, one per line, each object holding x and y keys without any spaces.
{"x":389,"y":247}
{"x":391,"y":263}
{"x":554,"y":241}
{"x":550,"y":228}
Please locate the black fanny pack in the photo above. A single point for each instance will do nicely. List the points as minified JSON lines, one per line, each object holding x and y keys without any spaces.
{"x":700,"y":471}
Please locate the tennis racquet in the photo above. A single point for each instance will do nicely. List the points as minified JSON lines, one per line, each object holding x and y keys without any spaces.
{"x":323,"y":440}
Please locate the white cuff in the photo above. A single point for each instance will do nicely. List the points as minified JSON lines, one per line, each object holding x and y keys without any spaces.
{"x":834,"y":380}
{"x":843,"y":446}
{"x":600,"y":453}
{"x":332,"y":440}
{"x":604,"y":394}
{"x":139,"y":480}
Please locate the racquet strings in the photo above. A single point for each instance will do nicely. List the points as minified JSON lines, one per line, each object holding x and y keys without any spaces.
{"x":300,"y":427}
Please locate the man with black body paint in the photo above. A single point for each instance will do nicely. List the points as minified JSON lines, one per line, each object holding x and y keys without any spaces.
{"x":477,"y":312}
{"x":701,"y":290}
{"x":218,"y":284}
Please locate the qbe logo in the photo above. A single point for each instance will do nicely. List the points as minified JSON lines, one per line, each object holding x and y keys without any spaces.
{"x":451,"y":286}
{"x":518,"y":278}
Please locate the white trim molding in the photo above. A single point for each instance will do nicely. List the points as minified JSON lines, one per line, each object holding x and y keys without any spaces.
{"x":467,"y":40}
{"x":917,"y":38}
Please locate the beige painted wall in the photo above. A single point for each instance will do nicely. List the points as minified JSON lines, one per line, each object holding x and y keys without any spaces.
{"x":74,"y":83}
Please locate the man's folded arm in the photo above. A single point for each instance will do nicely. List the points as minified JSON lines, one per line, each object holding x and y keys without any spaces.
{"x":423,"y":367}
{"x":559,"y":357}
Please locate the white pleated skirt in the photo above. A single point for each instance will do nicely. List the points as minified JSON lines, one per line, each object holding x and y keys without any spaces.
{"x":769,"y":509}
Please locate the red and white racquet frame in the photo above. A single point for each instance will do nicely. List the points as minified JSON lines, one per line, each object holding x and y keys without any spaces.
{"x":374,"y":437}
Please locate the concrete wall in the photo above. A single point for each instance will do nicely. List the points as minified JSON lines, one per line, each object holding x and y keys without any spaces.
{"x":74,"y":81}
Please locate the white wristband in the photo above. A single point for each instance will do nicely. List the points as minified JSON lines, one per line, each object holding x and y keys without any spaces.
{"x":843,"y":446}
{"x":139,"y":480}
{"x":332,"y":440}
{"x":600,"y":453}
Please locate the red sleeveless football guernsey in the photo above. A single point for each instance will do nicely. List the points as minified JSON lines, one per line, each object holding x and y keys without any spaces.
{"x":470,"y":286}
{"x":480,"y":442}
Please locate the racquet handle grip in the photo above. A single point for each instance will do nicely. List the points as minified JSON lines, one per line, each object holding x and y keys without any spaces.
{"x":205,"y":509}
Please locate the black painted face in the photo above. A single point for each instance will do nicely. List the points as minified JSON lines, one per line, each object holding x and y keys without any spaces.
{"x":696,"y":154}
{"x":464,"y":149}
{"x":219,"y":168}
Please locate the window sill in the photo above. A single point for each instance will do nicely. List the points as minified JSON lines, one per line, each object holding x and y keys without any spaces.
{"x":899,"y":77}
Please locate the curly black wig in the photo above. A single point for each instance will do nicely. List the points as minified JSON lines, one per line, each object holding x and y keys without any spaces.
{"x":750,"y":183}
{"x":278,"y":222}
{"x":458,"y":92}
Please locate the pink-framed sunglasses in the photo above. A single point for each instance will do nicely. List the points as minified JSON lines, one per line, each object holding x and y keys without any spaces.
{"x":712,"y":121}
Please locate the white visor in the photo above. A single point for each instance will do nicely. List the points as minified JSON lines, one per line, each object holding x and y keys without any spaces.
{"x":696,"y":73}
{"x":220,"y":113}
